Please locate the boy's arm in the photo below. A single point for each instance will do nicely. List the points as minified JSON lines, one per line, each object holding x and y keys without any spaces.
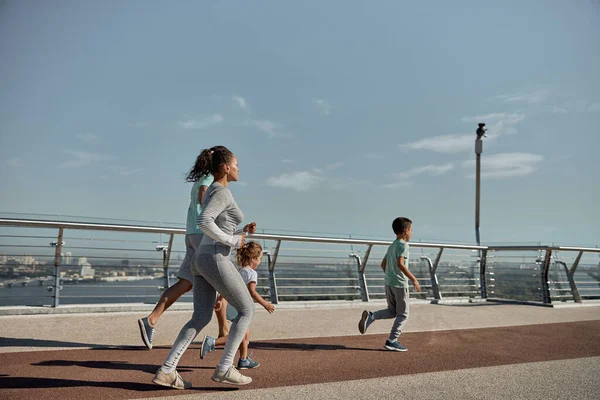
{"x":408,"y":274}
{"x":383,"y":264}
{"x":258,"y":298}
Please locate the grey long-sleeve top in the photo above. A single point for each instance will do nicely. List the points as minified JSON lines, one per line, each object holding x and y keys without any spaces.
{"x":220,"y":217}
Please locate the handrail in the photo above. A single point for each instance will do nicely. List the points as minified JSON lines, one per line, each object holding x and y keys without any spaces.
{"x":536,"y":248}
{"x":310,"y":239}
{"x":87,"y":226}
{"x":261,"y":236}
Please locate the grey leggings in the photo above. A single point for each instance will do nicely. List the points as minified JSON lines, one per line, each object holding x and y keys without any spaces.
{"x":217,"y":273}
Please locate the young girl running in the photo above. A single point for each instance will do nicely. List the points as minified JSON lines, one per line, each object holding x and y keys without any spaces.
{"x":248,"y":258}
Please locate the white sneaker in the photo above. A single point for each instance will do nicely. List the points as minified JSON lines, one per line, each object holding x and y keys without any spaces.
{"x":231,"y":376}
{"x":173,"y":380}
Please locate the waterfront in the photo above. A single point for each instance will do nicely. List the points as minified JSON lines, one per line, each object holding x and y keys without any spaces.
{"x":86,"y":292}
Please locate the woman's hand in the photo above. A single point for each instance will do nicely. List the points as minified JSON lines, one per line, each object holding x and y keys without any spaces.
{"x":250,"y":228}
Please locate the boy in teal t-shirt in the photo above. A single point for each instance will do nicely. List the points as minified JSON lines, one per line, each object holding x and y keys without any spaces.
{"x":397,"y":275}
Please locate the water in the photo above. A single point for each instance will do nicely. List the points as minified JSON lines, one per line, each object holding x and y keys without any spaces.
{"x":142,"y":291}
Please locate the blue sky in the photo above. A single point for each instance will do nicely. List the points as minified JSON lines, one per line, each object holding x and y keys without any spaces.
{"x":343,"y":114}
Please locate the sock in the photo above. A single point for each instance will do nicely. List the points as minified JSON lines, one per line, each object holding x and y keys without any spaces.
{"x":167,"y":370}
{"x":223,"y":368}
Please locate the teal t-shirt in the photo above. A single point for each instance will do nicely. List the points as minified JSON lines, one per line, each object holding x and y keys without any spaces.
{"x":195,"y":208}
{"x":393,"y":276}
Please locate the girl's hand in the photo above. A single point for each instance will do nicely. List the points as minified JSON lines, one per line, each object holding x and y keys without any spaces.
{"x":269,"y":307}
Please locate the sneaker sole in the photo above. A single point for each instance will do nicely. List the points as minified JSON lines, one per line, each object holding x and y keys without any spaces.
{"x":231,"y":383}
{"x":165,"y":384}
{"x":249,"y":367}
{"x":202,"y":353}
{"x":362,"y":324}
{"x":144,"y":336}
{"x":393,"y":348}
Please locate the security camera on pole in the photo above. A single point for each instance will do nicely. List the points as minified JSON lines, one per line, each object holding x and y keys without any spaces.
{"x":478,"y":150}
{"x":481,"y":259}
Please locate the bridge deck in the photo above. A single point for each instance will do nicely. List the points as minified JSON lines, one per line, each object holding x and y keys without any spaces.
{"x":459,"y":351}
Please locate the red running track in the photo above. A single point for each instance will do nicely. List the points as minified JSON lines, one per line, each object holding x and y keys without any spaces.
{"x":124,"y":373}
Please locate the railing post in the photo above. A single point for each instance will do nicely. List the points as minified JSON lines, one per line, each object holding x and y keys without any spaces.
{"x":58,"y":250}
{"x":362,"y":281}
{"x":272,"y":278}
{"x":363,"y":265}
{"x":546,"y":298}
{"x":435,"y":286}
{"x":482,"y":274}
{"x":166,"y":250}
{"x":571,"y":277}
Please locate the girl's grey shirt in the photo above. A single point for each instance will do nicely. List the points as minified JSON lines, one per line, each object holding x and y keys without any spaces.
{"x":219,"y":219}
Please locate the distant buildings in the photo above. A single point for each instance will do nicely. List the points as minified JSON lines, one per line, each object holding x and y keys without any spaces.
{"x":86,"y":270}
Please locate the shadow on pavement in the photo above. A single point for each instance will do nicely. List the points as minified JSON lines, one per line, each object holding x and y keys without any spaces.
{"x":45,"y":383}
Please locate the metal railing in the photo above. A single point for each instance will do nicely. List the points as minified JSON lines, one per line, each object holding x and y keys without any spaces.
{"x":313,"y":272}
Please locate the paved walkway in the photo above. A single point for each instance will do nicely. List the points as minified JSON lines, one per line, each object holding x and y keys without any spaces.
{"x":456,"y":351}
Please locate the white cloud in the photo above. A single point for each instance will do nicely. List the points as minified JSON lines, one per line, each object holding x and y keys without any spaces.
{"x":324,"y":106}
{"x":443,"y":144}
{"x":536,"y":97}
{"x":400,"y":184}
{"x":505,"y":165}
{"x":557,"y":109}
{"x":83,"y":158}
{"x":594,"y":107}
{"x":14,"y":162}
{"x":203,"y":122}
{"x":513,"y":118}
{"x":299,"y":181}
{"x":498,"y":124}
{"x":126,"y":171}
{"x":87,"y":137}
{"x":271,"y":128}
{"x":334,"y":165}
{"x":427,"y":169}
{"x":403,"y":179}
{"x":241,"y":102}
